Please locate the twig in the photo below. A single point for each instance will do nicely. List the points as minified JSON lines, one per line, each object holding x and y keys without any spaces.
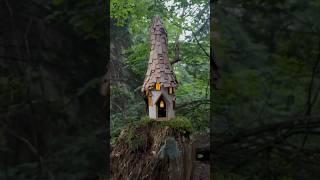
{"x":195,"y":37}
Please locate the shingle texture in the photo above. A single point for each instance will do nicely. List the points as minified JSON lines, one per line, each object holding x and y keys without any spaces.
{"x":159,"y":67}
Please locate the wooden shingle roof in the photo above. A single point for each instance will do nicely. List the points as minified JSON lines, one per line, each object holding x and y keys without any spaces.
{"x":159,"y":67}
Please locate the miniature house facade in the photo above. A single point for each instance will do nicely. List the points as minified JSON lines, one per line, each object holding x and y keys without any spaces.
{"x":160,"y":82}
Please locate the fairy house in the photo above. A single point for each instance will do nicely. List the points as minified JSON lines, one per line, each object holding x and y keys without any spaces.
{"x":160,"y":81}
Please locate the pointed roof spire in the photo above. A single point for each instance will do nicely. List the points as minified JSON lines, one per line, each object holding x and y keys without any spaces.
{"x":159,"y":67}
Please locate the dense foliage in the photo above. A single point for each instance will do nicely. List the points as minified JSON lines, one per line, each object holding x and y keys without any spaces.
{"x":266,"y":113}
{"x":52,"y":58}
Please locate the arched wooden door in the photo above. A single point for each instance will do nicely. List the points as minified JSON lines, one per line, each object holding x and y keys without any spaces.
{"x":161,"y":107}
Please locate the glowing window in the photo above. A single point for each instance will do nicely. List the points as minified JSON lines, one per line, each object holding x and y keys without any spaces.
{"x":170,"y":90}
{"x":161,"y":104}
{"x":158,"y":86}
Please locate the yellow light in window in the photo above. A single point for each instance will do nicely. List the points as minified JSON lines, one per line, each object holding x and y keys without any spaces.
{"x":161,"y":104}
{"x":158,"y":86}
{"x":170,"y":90}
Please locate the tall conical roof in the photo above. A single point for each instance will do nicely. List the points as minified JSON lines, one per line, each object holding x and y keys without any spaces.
{"x":159,"y":67}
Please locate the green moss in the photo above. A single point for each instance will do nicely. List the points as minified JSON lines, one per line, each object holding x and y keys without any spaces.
{"x":180,"y":123}
{"x":130,"y":134}
{"x":145,"y":120}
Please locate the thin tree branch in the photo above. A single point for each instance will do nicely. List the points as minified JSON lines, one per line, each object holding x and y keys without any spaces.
{"x":199,"y":44}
